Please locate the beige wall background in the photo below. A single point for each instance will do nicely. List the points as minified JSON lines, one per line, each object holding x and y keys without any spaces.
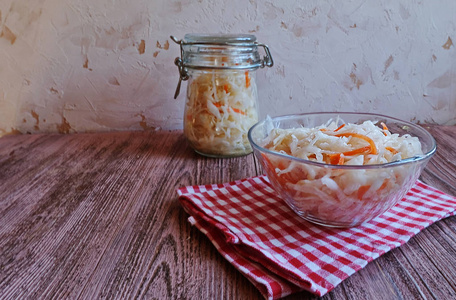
{"x":98,"y":65}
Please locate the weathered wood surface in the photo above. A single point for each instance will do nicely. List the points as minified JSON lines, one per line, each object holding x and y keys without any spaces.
{"x":87,"y":216}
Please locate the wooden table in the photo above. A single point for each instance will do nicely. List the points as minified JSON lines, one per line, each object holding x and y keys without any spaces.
{"x":85,"y":216}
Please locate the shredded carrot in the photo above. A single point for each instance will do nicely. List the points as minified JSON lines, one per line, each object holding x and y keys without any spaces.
{"x":226,"y":88}
{"x":385,"y":128}
{"x":373,"y":149}
{"x":340,"y":127}
{"x":366,"y":150}
{"x":265,"y":157}
{"x":247,"y":79}
{"x":337,"y":159}
{"x":383,"y":186}
{"x":237,"y":110}
{"x":362,"y":190}
{"x":323,"y":129}
{"x":392,"y":150}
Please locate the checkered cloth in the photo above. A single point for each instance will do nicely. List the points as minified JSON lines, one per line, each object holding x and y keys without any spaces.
{"x":281,"y":254}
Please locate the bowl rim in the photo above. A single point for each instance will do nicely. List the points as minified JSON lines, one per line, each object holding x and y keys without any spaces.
{"x":418,"y":158}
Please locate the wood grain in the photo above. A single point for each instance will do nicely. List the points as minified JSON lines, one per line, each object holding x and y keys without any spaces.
{"x":86,"y":216}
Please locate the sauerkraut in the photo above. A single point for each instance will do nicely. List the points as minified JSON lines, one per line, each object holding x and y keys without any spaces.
{"x":341,"y":196}
{"x":347,"y":144}
{"x":220,"y":109}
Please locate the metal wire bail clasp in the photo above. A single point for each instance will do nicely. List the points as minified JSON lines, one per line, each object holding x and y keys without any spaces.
{"x":183,"y":74}
{"x":267,"y":60}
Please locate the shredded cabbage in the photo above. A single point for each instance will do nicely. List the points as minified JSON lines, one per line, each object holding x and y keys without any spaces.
{"x":220,"y":109}
{"x":341,"y":196}
{"x":359,"y":144}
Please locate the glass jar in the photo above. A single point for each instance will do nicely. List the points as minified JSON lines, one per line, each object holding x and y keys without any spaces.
{"x":222,"y":101}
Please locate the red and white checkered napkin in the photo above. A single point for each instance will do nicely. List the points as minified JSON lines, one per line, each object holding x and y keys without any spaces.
{"x":281,"y":254}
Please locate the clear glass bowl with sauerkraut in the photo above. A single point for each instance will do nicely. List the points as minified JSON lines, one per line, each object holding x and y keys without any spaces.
{"x":221,"y":107}
{"x":341,"y":169}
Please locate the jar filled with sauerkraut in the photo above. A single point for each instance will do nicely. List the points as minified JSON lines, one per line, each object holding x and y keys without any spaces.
{"x":222,"y":102}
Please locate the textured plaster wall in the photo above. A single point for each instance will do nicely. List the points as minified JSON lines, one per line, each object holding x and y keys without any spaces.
{"x":97,"y":65}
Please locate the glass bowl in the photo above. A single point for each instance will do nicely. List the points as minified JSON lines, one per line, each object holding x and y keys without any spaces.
{"x":339,"y":195}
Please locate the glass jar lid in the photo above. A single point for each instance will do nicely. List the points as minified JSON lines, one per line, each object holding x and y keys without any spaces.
{"x":222,"y":51}
{"x":198,"y":38}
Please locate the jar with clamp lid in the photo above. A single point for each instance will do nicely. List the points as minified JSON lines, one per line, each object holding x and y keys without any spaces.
{"x":222,"y":101}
